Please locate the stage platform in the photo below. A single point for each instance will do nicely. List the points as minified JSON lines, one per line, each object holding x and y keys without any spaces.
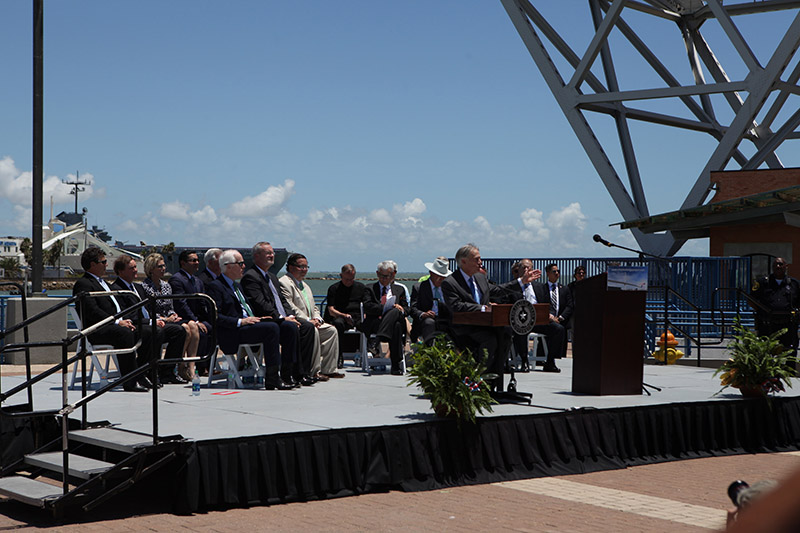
{"x":372,"y":432}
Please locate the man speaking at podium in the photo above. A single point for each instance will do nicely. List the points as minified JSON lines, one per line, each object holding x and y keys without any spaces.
{"x":467,"y":290}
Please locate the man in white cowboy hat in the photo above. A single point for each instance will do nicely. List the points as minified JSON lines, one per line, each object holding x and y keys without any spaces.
{"x":428,"y":309}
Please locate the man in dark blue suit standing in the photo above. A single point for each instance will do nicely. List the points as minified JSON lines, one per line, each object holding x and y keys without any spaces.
{"x":236,"y":323}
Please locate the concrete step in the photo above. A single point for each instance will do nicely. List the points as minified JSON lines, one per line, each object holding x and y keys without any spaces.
{"x":111,"y":438}
{"x":30,"y":491}
{"x":79,"y":466}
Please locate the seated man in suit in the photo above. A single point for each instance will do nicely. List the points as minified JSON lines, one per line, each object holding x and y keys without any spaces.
{"x":388,"y":320}
{"x":237,"y":324}
{"x":301,"y":303}
{"x":212,"y":270}
{"x":523,"y":286}
{"x":468,"y":290}
{"x":347,"y":299}
{"x":428,"y":308}
{"x":172,"y":334}
{"x":185,"y":281}
{"x":262,"y":290}
{"x":121,"y":333}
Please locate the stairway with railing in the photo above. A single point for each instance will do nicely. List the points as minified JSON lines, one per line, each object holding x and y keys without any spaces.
{"x":696,"y":325}
{"x":88,"y":463}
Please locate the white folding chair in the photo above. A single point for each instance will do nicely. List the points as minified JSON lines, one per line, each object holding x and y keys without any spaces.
{"x":533,"y":355}
{"x":220,"y":367}
{"x":104,"y":371}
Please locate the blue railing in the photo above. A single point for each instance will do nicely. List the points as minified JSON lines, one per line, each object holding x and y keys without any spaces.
{"x":694,"y":278}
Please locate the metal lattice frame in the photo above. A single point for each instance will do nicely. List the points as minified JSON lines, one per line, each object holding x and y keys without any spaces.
{"x":583,"y":92}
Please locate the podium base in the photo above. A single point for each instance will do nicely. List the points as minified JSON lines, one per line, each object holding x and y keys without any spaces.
{"x":512,"y":397}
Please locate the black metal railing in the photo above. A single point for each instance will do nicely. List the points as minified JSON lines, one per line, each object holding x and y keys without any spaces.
{"x":67,"y":408}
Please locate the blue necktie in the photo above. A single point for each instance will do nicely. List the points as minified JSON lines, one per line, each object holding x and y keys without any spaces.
{"x":474,"y":287}
{"x":437,"y":297}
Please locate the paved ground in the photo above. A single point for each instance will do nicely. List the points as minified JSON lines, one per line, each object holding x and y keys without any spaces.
{"x":684,"y":496}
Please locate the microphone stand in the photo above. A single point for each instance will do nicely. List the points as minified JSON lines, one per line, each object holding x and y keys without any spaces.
{"x":642,"y":254}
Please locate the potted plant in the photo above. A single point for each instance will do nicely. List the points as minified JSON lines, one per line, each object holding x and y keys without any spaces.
{"x":452,"y":380}
{"x":758,"y":365}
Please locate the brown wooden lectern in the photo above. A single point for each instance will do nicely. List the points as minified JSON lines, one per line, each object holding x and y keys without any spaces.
{"x":608,"y":339}
{"x":498,"y":315}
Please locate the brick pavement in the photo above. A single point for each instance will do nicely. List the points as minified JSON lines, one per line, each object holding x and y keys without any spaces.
{"x":666,"y":497}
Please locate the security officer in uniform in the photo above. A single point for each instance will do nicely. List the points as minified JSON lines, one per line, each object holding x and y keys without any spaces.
{"x":780,"y":294}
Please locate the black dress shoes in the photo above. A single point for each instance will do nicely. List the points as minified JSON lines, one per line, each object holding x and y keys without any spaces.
{"x":525,"y":367}
{"x":133,"y":387}
{"x":279,"y":385}
{"x":397,"y":372}
{"x":145,"y":382}
{"x":306,"y":381}
{"x":551,"y":368}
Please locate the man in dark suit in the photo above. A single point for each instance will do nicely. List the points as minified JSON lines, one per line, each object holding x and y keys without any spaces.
{"x":212,"y":270}
{"x":560,"y":300}
{"x":428,"y":308}
{"x":122,"y":332}
{"x":388,"y":320}
{"x":347,"y":299}
{"x":172,"y":334}
{"x":524,"y":287}
{"x":467,"y":290}
{"x":184,"y":281}
{"x":237,"y":324}
{"x":262,"y":290}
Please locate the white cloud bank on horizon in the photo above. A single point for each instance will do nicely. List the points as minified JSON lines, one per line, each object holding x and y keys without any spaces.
{"x":338,"y":234}
{"x":330,"y":235}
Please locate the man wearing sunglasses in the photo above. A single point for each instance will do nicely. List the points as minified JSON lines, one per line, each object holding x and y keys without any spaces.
{"x":122,"y":333}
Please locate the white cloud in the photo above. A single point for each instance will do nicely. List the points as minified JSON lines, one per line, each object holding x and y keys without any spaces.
{"x":183,"y":212}
{"x":16,"y":186}
{"x":414,"y":208}
{"x":381,"y":216}
{"x":534,"y":225}
{"x":270,"y":202}
{"x":175,"y":210}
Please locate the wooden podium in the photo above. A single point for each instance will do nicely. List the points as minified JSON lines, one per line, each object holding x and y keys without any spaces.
{"x":608,"y":339}
{"x":498,"y":315}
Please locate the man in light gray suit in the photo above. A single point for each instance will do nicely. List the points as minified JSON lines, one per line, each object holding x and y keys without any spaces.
{"x":301,"y":303}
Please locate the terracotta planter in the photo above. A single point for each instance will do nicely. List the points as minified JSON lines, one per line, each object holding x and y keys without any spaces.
{"x":443,"y":412}
{"x":751,"y":391}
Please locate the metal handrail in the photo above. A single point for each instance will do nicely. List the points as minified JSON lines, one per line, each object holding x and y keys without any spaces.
{"x":694,"y":308}
{"x":67,"y":408}
{"x":25,"y":338}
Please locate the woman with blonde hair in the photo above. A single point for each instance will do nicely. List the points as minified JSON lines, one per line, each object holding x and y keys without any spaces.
{"x":154,"y":285}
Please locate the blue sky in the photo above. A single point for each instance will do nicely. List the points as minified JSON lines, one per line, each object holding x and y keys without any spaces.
{"x":352,"y":131}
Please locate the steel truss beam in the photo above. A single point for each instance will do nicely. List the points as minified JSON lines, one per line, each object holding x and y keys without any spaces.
{"x":583,"y":92}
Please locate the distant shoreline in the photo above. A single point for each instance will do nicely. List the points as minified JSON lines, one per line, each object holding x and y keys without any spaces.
{"x":65,"y":284}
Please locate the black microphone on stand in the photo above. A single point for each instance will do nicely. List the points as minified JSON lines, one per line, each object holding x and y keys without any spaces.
{"x":598,"y":238}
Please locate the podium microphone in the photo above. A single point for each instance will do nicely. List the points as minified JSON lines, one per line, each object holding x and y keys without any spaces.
{"x":598,"y":238}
